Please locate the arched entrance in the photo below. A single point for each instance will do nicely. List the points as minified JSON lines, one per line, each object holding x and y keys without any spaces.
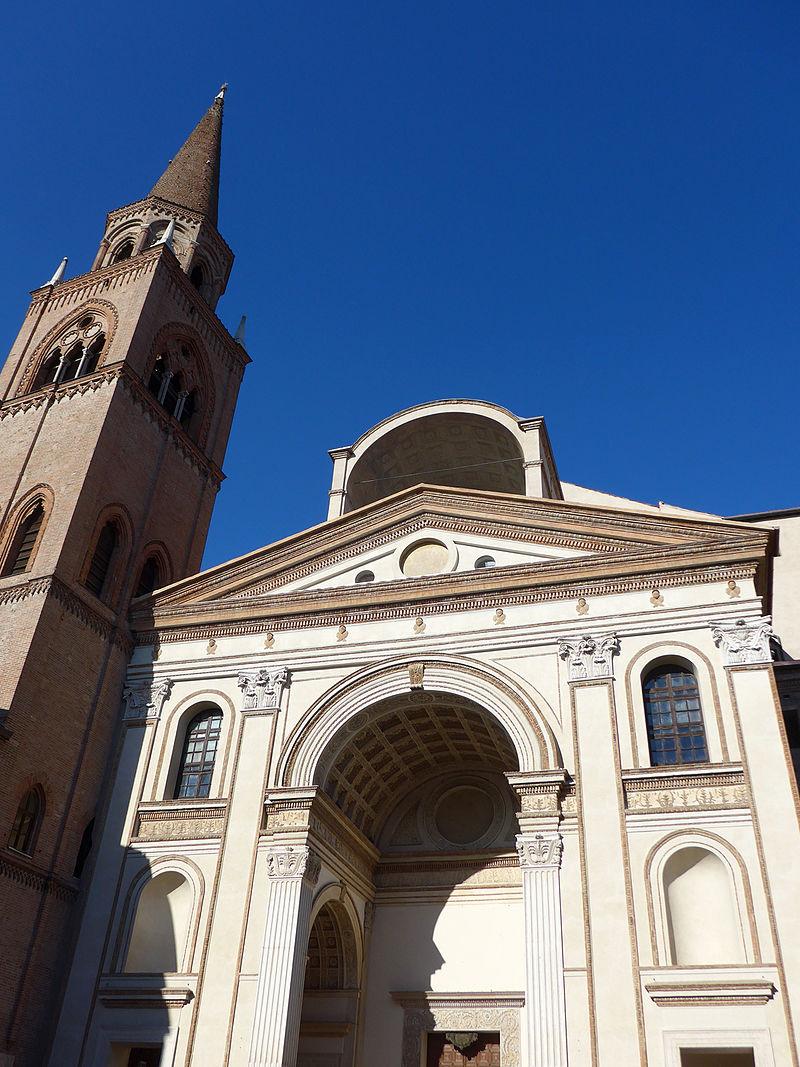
{"x":421,"y":775}
{"x":330,"y":989}
{"x":396,"y":795}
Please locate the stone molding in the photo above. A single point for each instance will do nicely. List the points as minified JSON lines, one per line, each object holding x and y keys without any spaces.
{"x":745,"y":641}
{"x":540,"y":796}
{"x":428,"y":1012}
{"x":540,"y":851}
{"x":262,"y":689}
{"x":293,"y":862}
{"x":129,"y":997}
{"x":711,"y":992}
{"x":295,"y":611}
{"x":178,"y":821}
{"x":50,"y":585}
{"x":22,"y":871}
{"x":589,"y":657}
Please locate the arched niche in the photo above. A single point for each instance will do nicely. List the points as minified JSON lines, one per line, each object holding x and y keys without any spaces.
{"x":700,"y":902}
{"x":702,"y":917}
{"x":161,"y":923}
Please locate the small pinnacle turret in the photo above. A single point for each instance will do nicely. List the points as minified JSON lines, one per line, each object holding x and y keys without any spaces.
{"x":191,"y":179}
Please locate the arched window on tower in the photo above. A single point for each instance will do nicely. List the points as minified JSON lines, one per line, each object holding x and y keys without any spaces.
{"x":149,"y":577}
{"x":48,"y":370}
{"x":197,"y":276}
{"x":102,"y":558}
{"x":172,"y":393}
{"x":199,"y":752}
{"x":123,"y":251}
{"x":27,"y":821}
{"x":674,"y":716}
{"x":24,"y":542}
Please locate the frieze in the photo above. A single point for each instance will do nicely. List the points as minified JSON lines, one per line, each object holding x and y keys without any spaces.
{"x":179,"y":829}
{"x":469,"y":874}
{"x":698,"y":798}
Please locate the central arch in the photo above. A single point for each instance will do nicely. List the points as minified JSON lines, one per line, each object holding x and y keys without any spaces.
{"x":526,"y":726}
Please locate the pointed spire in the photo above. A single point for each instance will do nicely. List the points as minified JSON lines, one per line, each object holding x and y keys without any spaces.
{"x":192,"y":178}
{"x":239,"y":335}
{"x":59,"y":274}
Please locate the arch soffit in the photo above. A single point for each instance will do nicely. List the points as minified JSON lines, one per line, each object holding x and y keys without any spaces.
{"x":527,"y":728}
{"x":336,"y":895}
{"x":661,"y":651}
{"x":492,"y":412}
{"x":731,"y":858}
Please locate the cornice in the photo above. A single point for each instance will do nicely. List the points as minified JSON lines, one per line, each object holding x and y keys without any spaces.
{"x":50,"y":585}
{"x":136,"y":388}
{"x":24,"y":872}
{"x":582,"y":527}
{"x":297,"y":611}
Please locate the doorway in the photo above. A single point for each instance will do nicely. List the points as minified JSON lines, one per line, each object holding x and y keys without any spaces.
{"x":466,"y":1049}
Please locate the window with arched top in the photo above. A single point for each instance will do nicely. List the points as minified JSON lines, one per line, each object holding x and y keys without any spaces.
{"x":196,"y":767}
{"x":197,"y":276}
{"x":27,"y":821}
{"x":149,"y":576}
{"x":24,"y":542}
{"x":160,"y":930}
{"x":102,"y":558}
{"x":484,"y":563}
{"x":123,"y":251}
{"x":365,"y":576}
{"x":76,"y":353}
{"x":173,"y":389}
{"x":702,"y":915}
{"x":674,"y":716}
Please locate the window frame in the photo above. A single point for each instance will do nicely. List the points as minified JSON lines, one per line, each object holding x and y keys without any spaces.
{"x":203,"y":767}
{"x":673,"y":697}
{"x":31,"y":833}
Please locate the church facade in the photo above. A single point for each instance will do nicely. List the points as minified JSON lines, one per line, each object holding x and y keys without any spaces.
{"x":486,"y":768}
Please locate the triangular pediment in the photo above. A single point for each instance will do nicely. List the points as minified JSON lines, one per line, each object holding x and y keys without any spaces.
{"x":530,"y":541}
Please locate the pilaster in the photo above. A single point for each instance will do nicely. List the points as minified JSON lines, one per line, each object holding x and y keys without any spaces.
{"x":293,"y":871}
{"x":746,"y":655}
{"x":613,"y":960}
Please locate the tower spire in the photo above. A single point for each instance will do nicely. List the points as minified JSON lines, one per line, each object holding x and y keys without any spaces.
{"x":191,"y":179}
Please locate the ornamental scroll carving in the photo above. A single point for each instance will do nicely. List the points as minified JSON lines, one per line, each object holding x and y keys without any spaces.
{"x":461,"y":1017}
{"x":145,"y":701}
{"x":589,"y":657}
{"x":293,"y":862}
{"x":539,"y":850}
{"x":744,"y":641}
{"x":263,"y":689}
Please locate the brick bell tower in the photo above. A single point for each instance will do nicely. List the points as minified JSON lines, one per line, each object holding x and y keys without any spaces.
{"x":116,"y":403}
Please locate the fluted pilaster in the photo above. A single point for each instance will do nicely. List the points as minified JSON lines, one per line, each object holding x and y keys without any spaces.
{"x":545,"y":1006}
{"x":293,"y":873}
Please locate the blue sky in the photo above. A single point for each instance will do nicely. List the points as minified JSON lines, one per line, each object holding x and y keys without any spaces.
{"x":587,"y":211}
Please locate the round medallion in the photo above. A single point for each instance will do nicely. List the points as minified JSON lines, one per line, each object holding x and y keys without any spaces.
{"x":464,"y":814}
{"x":424,"y":557}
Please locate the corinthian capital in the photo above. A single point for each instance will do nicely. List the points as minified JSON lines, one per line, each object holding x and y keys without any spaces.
{"x":539,"y":850}
{"x":293,"y":861}
{"x":744,"y":641}
{"x":589,"y":656}
{"x":262,"y":689}
{"x":145,"y":701}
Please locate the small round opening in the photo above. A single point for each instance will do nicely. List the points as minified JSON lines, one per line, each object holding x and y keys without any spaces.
{"x":364,"y":576}
{"x":484,"y":563}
